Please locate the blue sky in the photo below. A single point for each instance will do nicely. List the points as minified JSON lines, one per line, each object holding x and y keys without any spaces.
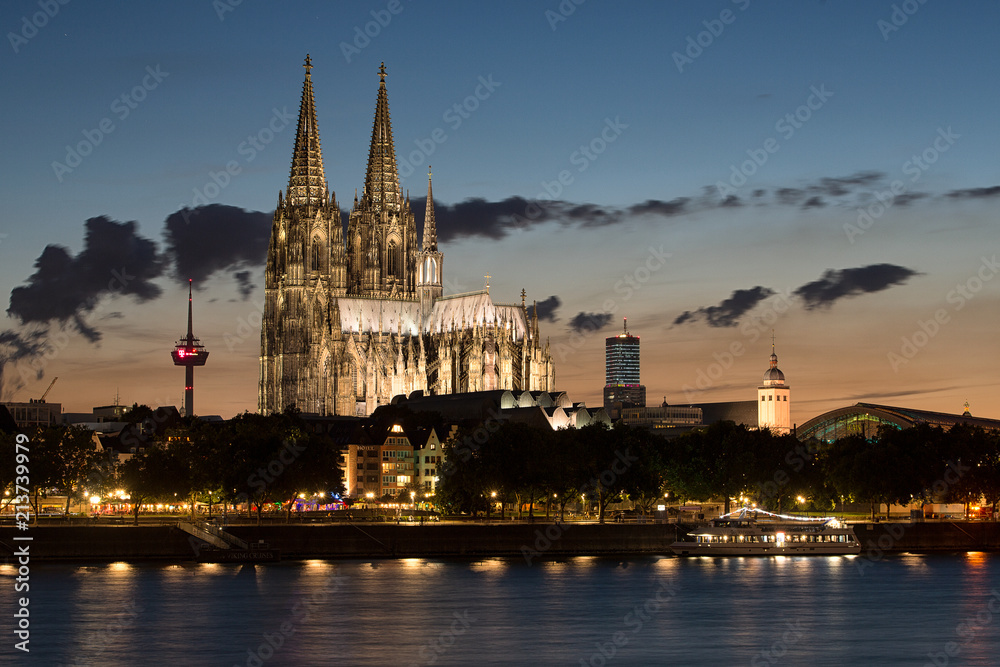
{"x":867,"y":86}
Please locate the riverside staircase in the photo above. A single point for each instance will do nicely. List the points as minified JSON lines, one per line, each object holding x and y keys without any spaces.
{"x":213,"y":535}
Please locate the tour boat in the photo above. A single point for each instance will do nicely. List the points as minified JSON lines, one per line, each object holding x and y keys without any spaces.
{"x":753,"y":532}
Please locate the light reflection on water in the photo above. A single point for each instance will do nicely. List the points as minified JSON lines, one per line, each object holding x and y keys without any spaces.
{"x":784,"y":610}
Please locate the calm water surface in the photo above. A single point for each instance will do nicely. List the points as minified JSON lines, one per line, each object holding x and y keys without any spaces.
{"x":903,"y":610}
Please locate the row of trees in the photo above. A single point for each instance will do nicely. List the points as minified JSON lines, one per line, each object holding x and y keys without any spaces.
{"x":250,"y":459}
{"x":523,"y":465}
{"x":515,"y":463}
{"x":260,"y":460}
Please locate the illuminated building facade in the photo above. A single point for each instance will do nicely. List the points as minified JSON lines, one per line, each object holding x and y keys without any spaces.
{"x":353,"y":318}
{"x":773,"y":407}
{"x":621,"y":374}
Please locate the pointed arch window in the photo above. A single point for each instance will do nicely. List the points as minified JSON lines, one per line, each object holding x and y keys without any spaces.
{"x":317,"y":316}
{"x":395,"y":260}
{"x":317,"y":258}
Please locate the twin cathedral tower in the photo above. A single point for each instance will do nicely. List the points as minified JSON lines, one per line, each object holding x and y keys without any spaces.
{"x":353,"y":318}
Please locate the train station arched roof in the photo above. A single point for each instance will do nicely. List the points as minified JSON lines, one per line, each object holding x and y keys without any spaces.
{"x":866,"y":418}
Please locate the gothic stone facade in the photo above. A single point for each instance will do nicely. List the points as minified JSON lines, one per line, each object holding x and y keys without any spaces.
{"x":351,"y":320}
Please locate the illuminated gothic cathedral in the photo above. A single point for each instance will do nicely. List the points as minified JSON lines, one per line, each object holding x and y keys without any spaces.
{"x":352,"y":319}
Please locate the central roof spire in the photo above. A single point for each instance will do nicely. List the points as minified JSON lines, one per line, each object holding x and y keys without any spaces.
{"x":382,"y":191}
{"x":307,"y":183}
{"x":430,"y":226}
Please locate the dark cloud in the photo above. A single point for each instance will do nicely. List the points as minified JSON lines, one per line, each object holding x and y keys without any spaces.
{"x":660,"y":207}
{"x":686,"y":316}
{"x":495,"y":220}
{"x":842,"y":283}
{"x":243,"y":284}
{"x":207,"y":239}
{"x":15,"y":347}
{"x":815,"y":193}
{"x":975,"y":193}
{"x":590,"y":215}
{"x":585,"y":322}
{"x":492,"y":220}
{"x":789,"y":196}
{"x":908,"y":198}
{"x":547,"y":308}
{"x":844,"y":185}
{"x":727,"y":313}
{"x":65,"y":287}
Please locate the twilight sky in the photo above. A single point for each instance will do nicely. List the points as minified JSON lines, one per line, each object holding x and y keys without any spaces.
{"x":710,"y":170}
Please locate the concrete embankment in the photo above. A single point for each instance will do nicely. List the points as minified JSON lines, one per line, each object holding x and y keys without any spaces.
{"x":896,"y":537}
{"x":538,"y":540}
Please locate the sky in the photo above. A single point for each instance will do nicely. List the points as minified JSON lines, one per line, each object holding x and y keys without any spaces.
{"x":713,"y":171}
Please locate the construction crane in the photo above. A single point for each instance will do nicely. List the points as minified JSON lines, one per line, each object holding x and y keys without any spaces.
{"x":42,"y":399}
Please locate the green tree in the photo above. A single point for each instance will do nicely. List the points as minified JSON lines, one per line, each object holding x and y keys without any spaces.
{"x":79,"y":462}
{"x":156,"y":474}
{"x":644,"y":480}
{"x":604,"y":460}
{"x":271,"y":458}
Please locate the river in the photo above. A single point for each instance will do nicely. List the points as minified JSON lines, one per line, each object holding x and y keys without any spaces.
{"x":900,"y":610}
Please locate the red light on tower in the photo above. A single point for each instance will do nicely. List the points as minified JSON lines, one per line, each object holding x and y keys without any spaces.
{"x":189,"y":352}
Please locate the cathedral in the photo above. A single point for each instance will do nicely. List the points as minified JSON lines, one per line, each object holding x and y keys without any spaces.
{"x":353,"y":318}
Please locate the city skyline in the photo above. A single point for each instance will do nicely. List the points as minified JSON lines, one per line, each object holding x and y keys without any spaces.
{"x":711,"y":172}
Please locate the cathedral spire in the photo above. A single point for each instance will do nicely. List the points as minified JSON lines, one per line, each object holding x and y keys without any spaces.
{"x":382,"y":189}
{"x":306,"y":183}
{"x":430,"y":226}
